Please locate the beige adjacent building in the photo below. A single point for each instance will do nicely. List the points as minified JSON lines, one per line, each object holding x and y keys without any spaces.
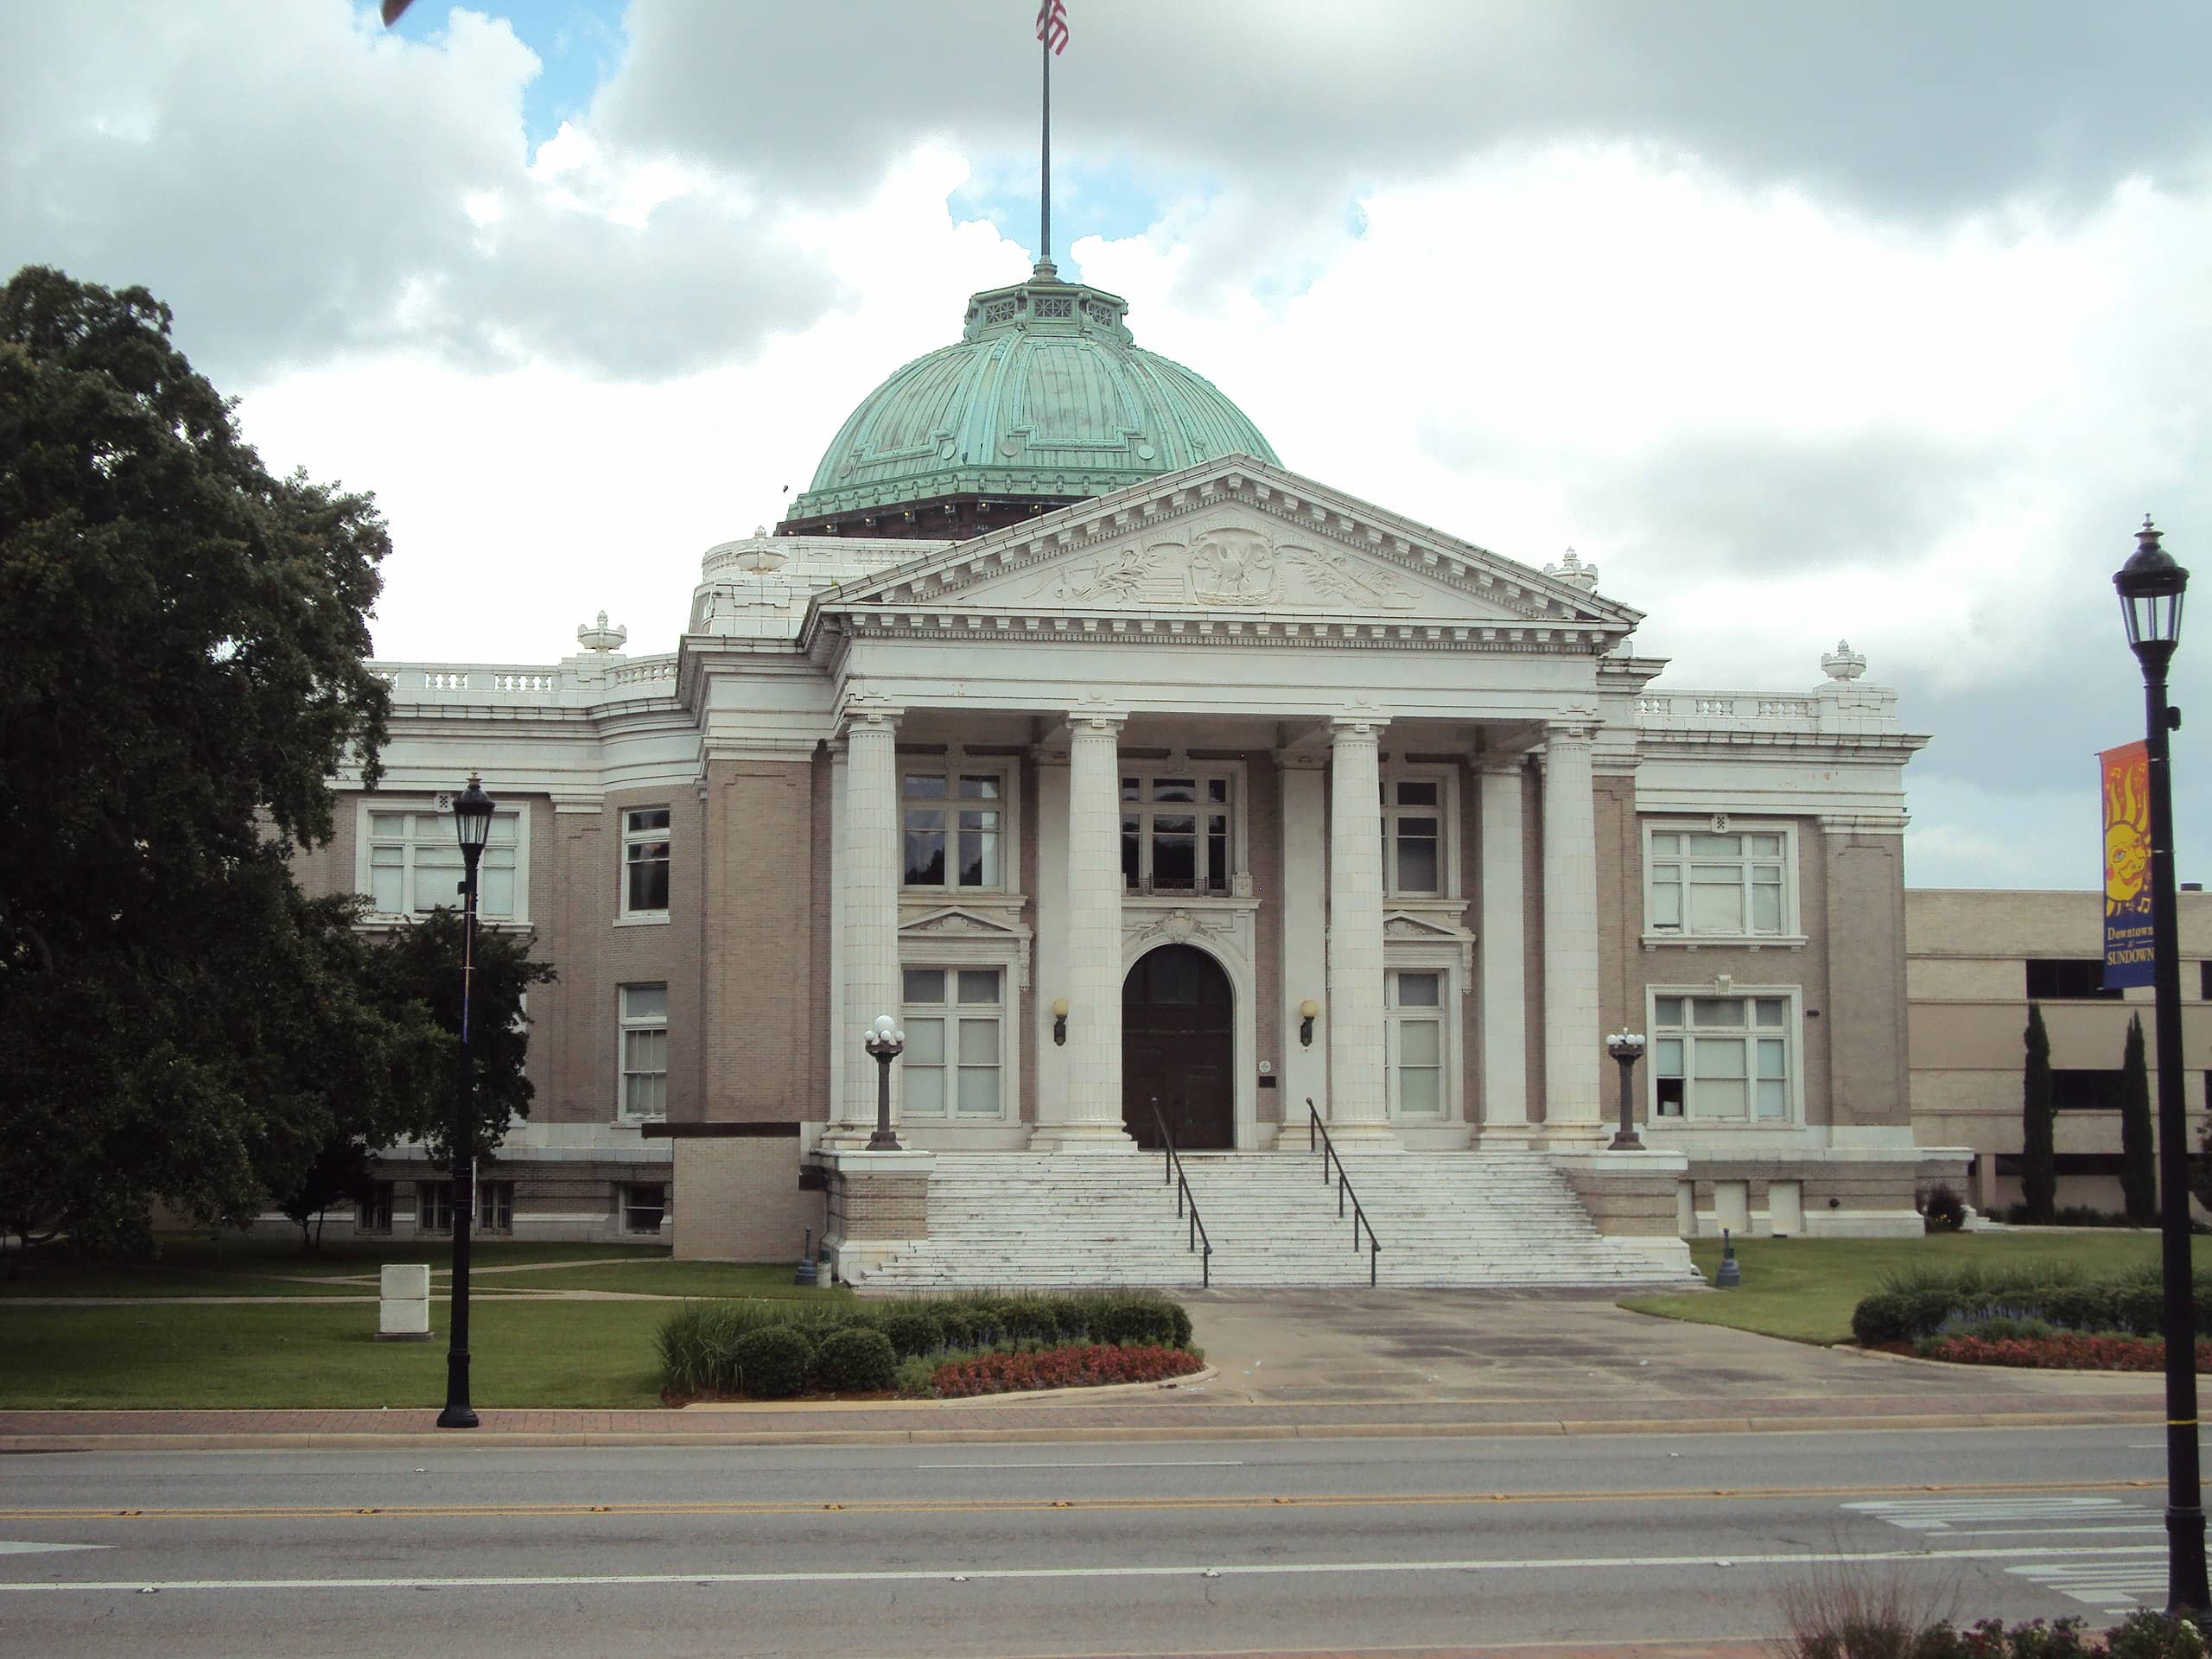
{"x":1975,"y":960}
{"x":1158,"y":792}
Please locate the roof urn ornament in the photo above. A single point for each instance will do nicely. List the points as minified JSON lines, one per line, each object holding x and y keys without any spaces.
{"x":1571,"y":571}
{"x":1843,"y":663}
{"x":598,"y":637}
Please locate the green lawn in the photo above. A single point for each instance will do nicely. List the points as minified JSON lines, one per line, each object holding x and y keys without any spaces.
{"x":664,"y":1279}
{"x":195,"y":1266}
{"x":1805,"y":1288}
{"x":521,"y":1354}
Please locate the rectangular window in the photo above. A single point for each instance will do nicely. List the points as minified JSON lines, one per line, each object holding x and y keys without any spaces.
{"x":954,"y":1021}
{"x":373,"y":1213}
{"x":953,"y":824}
{"x":434,"y":1206}
{"x":1175,"y":835}
{"x":644,"y":1051}
{"x":1416,"y":1043}
{"x":1732,"y":885}
{"x":2061,"y":979}
{"x":495,"y":1206}
{"x":644,"y":862}
{"x":1412,"y":836}
{"x":2084,"y":1090}
{"x":414,"y":865}
{"x":643,"y":1207}
{"x":2204,"y":980}
{"x":1721,"y":1059}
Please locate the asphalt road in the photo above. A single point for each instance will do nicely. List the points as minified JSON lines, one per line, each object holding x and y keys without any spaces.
{"x":1149,"y":1548}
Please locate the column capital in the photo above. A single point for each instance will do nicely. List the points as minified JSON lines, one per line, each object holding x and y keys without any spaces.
{"x":862,"y":706}
{"x":1356,"y":725}
{"x":1096,"y":723}
{"x":1575,"y":728}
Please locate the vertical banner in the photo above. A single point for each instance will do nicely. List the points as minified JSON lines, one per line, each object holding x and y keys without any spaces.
{"x":2126,"y":774}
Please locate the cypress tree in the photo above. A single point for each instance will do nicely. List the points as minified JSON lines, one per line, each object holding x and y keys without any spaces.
{"x":2039,"y":1163}
{"x":2139,"y":1172}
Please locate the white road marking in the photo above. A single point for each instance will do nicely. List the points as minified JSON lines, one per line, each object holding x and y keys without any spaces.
{"x":944,"y":1575}
{"x":1174,"y":1463}
{"x":1948,"y":1513}
{"x":45,"y":1549}
{"x":2110,"y":1585}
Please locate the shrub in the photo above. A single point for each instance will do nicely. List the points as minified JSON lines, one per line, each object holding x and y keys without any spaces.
{"x":1943,"y":1210}
{"x":855,"y":1361}
{"x":1026,"y":1321}
{"x":1069,"y":1319}
{"x":911,"y":1330}
{"x":1077,"y":1365}
{"x":772,"y":1363}
{"x":963,"y":1329}
{"x":1139,"y":1321}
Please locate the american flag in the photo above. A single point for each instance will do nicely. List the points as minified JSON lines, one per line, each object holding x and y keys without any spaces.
{"x":1052,"y":26}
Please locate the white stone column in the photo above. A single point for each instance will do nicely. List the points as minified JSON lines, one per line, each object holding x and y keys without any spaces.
{"x":1089,"y":1114}
{"x":867,"y":879}
{"x":1050,"y":981}
{"x":1505,"y":957}
{"x":1305,"y":932}
{"x":1572,"y":1044}
{"x":1357,"y":1104}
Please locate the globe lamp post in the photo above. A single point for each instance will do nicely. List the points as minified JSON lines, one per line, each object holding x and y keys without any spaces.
{"x":2151,"y":585}
{"x":1627,"y":1048}
{"x":472,"y":822}
{"x":884,"y":1042}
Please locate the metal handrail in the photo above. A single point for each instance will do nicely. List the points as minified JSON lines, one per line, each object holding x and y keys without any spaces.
{"x":1183,"y":1195}
{"x":1328,"y":1150}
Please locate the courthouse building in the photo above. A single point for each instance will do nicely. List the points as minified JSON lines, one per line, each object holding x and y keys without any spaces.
{"x":1158,"y":791}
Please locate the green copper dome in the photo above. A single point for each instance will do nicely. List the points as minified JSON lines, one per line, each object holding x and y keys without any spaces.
{"x":1045,"y":395}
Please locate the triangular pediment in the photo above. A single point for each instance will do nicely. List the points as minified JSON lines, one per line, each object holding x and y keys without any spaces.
{"x":1241,"y":543}
{"x":956,"y":921}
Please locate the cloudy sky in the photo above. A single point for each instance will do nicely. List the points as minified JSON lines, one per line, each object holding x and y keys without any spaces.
{"x":1882,"y":319}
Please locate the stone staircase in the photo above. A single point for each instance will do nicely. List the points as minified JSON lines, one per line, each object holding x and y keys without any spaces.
{"x":1466,"y":1219}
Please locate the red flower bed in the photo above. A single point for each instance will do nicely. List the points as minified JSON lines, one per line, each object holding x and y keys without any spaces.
{"x":2071,"y":1352}
{"x":1080,"y":1365}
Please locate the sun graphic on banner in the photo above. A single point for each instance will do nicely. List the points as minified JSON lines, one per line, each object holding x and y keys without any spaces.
{"x":2127,"y":832}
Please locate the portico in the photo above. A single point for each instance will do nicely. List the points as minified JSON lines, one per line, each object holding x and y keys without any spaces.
{"x":1240,"y":716}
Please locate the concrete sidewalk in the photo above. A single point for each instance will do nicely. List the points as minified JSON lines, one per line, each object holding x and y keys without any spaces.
{"x":1290,"y":1365}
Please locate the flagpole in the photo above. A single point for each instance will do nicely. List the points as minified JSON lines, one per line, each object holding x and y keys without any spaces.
{"x":1044,"y":186}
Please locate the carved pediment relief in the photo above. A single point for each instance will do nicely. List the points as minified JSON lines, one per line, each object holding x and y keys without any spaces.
{"x":954,"y":922}
{"x":1241,"y":540}
{"x":1227,"y":566}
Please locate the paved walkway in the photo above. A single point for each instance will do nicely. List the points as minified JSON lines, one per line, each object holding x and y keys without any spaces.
{"x":1292,"y":1364}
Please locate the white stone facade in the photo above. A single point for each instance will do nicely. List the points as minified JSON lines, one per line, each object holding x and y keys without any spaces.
{"x":1347,"y":760}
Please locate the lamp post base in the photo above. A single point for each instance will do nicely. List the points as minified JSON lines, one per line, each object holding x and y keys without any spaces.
{"x":884,"y":1140}
{"x":1625,"y":1140}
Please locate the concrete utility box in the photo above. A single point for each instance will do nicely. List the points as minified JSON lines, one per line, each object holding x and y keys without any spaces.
{"x":403,"y":1315}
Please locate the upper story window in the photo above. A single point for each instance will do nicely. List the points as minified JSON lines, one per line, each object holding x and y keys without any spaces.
{"x":644,"y":862}
{"x":955,"y":827}
{"x":1175,"y":834}
{"x":1722,"y":1058}
{"x":1412,"y":836}
{"x":1734,"y":884}
{"x":2058,"y":978}
{"x":409,"y":864}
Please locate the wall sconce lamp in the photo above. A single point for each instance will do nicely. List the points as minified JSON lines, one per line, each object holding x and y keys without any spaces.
{"x":1060,"y":1021}
{"x":1307,"y":1012}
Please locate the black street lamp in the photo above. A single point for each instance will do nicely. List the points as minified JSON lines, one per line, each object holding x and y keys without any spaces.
{"x":472,"y":822}
{"x":1627,"y":1047}
{"x":886,"y":1042}
{"x":2150,"y":586}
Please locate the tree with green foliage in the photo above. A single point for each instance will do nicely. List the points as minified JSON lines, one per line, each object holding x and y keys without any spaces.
{"x":185,"y":637}
{"x":2138,"y":1168}
{"x":2038,"y":1159}
{"x":418,"y":967}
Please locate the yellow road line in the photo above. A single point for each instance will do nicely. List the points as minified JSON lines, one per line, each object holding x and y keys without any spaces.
{"x":1015,"y":1506}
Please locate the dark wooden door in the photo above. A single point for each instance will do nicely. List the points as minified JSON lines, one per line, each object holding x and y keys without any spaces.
{"x":1177,"y":1047}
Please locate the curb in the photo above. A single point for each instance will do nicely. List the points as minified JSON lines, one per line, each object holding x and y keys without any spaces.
{"x":1078,"y":1394}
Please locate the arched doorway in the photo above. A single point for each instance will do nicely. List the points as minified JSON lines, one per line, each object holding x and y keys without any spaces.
{"x":1179,"y":1047}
